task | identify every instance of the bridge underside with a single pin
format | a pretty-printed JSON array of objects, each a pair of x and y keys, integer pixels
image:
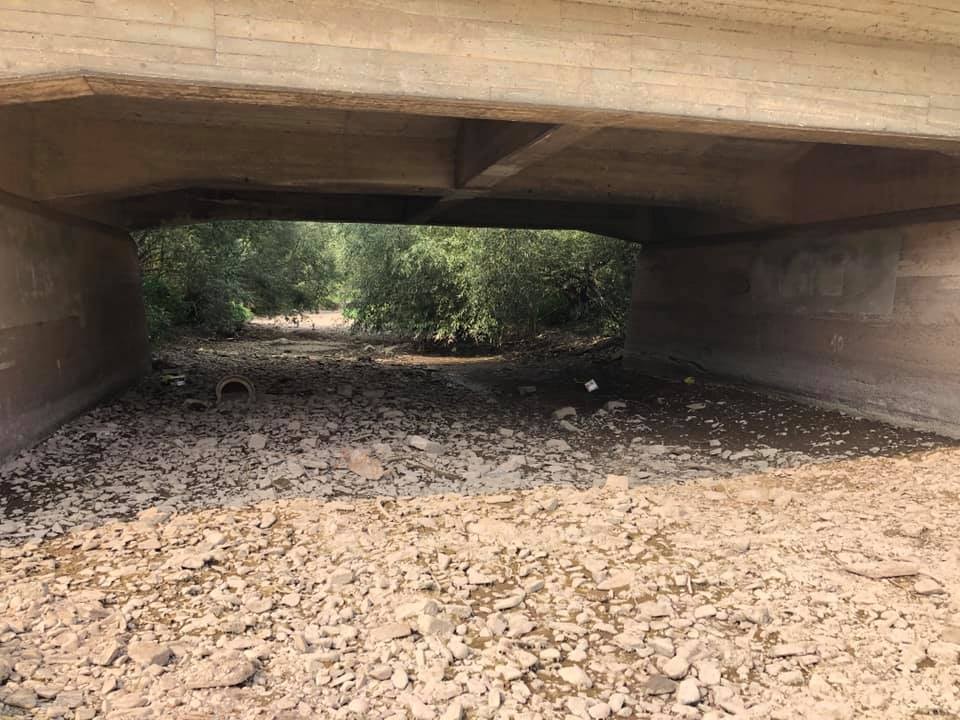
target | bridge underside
[
  {"x": 792, "y": 171},
  {"x": 135, "y": 154}
]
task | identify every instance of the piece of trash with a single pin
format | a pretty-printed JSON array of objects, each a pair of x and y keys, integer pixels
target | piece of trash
[
  {"x": 689, "y": 380},
  {"x": 236, "y": 387},
  {"x": 697, "y": 406},
  {"x": 525, "y": 390},
  {"x": 176, "y": 380},
  {"x": 591, "y": 385}
]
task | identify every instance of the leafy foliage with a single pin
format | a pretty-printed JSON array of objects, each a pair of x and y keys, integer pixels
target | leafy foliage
[
  {"x": 451, "y": 284},
  {"x": 216, "y": 276},
  {"x": 442, "y": 284}
]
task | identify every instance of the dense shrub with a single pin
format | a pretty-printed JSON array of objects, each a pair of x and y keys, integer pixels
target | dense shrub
[
  {"x": 215, "y": 276},
  {"x": 442, "y": 284},
  {"x": 451, "y": 284}
]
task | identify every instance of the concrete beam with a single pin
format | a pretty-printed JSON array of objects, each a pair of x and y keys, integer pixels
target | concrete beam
[
  {"x": 85, "y": 153},
  {"x": 651, "y": 63},
  {"x": 490, "y": 152},
  {"x": 118, "y": 158},
  {"x": 179, "y": 206},
  {"x": 835, "y": 181},
  {"x": 72, "y": 84},
  {"x": 633, "y": 223},
  {"x": 185, "y": 205}
]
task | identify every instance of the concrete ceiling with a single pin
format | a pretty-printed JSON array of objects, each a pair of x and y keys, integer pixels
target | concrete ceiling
[{"x": 136, "y": 161}]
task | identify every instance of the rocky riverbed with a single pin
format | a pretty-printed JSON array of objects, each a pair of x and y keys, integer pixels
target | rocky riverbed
[{"x": 387, "y": 536}]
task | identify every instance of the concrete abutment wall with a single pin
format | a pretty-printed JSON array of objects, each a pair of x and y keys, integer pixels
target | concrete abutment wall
[
  {"x": 72, "y": 326},
  {"x": 867, "y": 320}
]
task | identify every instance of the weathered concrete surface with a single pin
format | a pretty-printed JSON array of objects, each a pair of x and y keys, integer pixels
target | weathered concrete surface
[
  {"x": 71, "y": 320},
  {"x": 827, "y": 65},
  {"x": 866, "y": 319}
]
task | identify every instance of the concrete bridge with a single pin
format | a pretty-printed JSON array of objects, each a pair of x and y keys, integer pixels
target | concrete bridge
[{"x": 792, "y": 168}]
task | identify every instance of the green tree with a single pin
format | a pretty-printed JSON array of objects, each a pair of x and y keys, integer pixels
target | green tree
[
  {"x": 450, "y": 284},
  {"x": 216, "y": 275},
  {"x": 445, "y": 284}
]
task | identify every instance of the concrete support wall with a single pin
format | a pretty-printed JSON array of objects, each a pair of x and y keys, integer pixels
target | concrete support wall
[
  {"x": 863, "y": 319},
  {"x": 71, "y": 320}
]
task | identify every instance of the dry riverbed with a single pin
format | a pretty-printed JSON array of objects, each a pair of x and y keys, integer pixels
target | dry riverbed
[{"x": 387, "y": 536}]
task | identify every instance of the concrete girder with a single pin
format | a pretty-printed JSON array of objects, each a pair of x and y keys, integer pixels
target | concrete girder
[
  {"x": 103, "y": 156},
  {"x": 786, "y": 67},
  {"x": 186, "y": 205},
  {"x": 745, "y": 172},
  {"x": 79, "y": 84},
  {"x": 492, "y": 151}
]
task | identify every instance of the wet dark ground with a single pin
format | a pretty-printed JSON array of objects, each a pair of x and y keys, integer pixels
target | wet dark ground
[
  {"x": 677, "y": 413},
  {"x": 666, "y": 411}
]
